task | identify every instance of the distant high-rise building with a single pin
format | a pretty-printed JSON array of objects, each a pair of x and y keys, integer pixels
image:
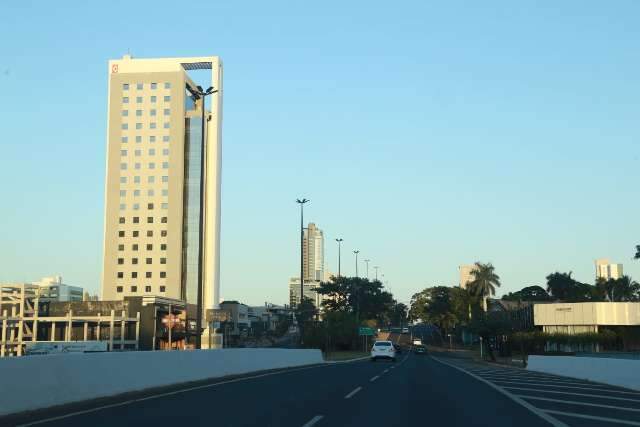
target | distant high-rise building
[
  {"x": 155, "y": 217},
  {"x": 606, "y": 270},
  {"x": 313, "y": 254},
  {"x": 465, "y": 274},
  {"x": 309, "y": 292}
]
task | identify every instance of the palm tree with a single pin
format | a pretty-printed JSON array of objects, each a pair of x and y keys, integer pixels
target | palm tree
[
  {"x": 637, "y": 252},
  {"x": 484, "y": 282},
  {"x": 625, "y": 289}
]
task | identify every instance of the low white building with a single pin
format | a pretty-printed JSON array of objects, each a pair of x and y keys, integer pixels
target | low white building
[
  {"x": 52, "y": 289},
  {"x": 573, "y": 318}
]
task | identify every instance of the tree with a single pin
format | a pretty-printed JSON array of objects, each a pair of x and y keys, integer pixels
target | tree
[
  {"x": 621, "y": 289},
  {"x": 398, "y": 315},
  {"x": 306, "y": 311},
  {"x": 361, "y": 297},
  {"x": 560, "y": 285},
  {"x": 528, "y": 293},
  {"x": 484, "y": 282},
  {"x": 637, "y": 252}
]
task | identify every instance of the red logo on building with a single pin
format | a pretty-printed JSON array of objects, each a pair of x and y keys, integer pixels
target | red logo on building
[{"x": 114, "y": 68}]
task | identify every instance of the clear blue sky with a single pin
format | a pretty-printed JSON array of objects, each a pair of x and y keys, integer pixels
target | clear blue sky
[{"x": 427, "y": 135}]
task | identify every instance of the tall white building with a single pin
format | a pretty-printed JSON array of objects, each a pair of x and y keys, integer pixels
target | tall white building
[
  {"x": 156, "y": 221},
  {"x": 465, "y": 274},
  {"x": 606, "y": 270},
  {"x": 313, "y": 254}
]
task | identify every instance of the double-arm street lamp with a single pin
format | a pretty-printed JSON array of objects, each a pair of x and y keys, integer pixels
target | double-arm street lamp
[
  {"x": 201, "y": 94},
  {"x": 301, "y": 202}
]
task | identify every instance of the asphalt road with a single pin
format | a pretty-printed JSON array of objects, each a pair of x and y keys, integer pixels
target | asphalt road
[{"x": 415, "y": 390}]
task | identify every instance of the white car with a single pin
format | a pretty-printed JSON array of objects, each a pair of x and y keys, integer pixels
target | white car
[{"x": 383, "y": 350}]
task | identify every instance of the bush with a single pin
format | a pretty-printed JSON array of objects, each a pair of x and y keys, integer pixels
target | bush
[{"x": 536, "y": 341}]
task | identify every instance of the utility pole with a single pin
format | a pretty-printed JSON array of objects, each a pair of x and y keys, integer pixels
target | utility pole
[
  {"x": 356, "y": 252},
  {"x": 339, "y": 240}
]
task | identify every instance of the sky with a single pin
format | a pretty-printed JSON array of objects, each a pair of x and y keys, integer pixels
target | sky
[{"x": 426, "y": 134}]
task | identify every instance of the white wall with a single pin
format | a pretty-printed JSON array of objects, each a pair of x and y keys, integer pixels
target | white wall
[
  {"x": 42, "y": 381},
  {"x": 619, "y": 372}
]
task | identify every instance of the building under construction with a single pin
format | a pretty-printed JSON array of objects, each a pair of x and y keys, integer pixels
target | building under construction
[{"x": 30, "y": 322}]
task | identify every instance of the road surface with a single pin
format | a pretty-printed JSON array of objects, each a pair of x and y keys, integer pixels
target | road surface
[{"x": 414, "y": 391}]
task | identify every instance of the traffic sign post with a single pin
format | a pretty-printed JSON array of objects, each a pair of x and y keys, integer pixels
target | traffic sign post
[{"x": 365, "y": 331}]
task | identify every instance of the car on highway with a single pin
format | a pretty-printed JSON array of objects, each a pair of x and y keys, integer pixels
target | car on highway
[
  {"x": 383, "y": 350},
  {"x": 420, "y": 349},
  {"x": 405, "y": 330}
]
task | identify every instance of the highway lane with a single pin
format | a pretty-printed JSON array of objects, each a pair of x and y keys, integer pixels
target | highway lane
[{"x": 416, "y": 390}]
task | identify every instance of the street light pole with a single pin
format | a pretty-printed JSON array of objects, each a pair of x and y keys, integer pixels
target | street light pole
[
  {"x": 301, "y": 202},
  {"x": 376, "y": 268},
  {"x": 356, "y": 252},
  {"x": 367, "y": 262},
  {"x": 339, "y": 247},
  {"x": 201, "y": 94}
]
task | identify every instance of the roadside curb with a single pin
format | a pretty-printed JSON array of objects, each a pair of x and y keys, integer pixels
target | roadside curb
[{"x": 333, "y": 362}]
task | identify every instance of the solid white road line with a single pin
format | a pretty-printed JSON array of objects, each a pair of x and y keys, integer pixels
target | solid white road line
[
  {"x": 548, "y": 418},
  {"x": 385, "y": 371},
  {"x": 170, "y": 393},
  {"x": 592, "y": 417},
  {"x": 313, "y": 421},
  {"x": 374, "y": 378},
  {"x": 348, "y": 396},
  {"x": 575, "y": 402},
  {"x": 595, "y": 396},
  {"x": 564, "y": 386}
]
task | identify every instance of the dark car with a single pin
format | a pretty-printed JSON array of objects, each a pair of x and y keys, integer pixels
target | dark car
[
  {"x": 398, "y": 348},
  {"x": 420, "y": 349}
]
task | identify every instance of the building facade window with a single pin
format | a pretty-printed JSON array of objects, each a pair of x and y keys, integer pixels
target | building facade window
[
  {"x": 139, "y": 86},
  {"x": 125, "y": 86},
  {"x": 163, "y": 274},
  {"x": 149, "y": 260},
  {"x": 148, "y": 275},
  {"x": 120, "y": 275},
  {"x": 162, "y": 288},
  {"x": 134, "y": 274},
  {"x": 154, "y": 86},
  {"x": 134, "y": 289},
  {"x": 147, "y": 288},
  {"x": 119, "y": 289}
]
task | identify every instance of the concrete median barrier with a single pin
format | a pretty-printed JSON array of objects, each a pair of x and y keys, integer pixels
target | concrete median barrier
[
  {"x": 618, "y": 372},
  {"x": 38, "y": 382}
]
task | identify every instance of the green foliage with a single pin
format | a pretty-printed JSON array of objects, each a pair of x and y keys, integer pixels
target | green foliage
[
  {"x": 306, "y": 310},
  {"x": 441, "y": 305},
  {"x": 564, "y": 287},
  {"x": 637, "y": 256},
  {"x": 337, "y": 331},
  {"x": 622, "y": 289},
  {"x": 358, "y": 296},
  {"x": 529, "y": 293},
  {"x": 538, "y": 339}
]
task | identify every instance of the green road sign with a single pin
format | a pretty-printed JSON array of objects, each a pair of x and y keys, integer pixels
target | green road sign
[{"x": 365, "y": 331}]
